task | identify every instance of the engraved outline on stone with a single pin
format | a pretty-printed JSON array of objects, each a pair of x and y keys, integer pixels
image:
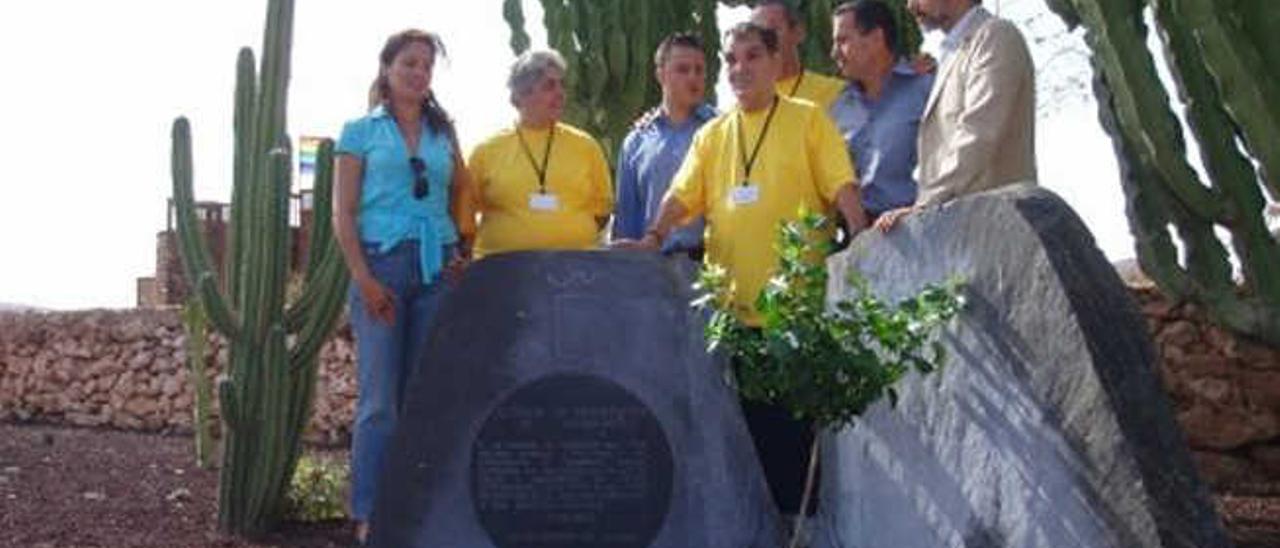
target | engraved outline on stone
[{"x": 565, "y": 276}]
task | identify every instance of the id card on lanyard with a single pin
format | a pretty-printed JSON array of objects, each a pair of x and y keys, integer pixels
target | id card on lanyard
[
  {"x": 748, "y": 193},
  {"x": 745, "y": 194},
  {"x": 544, "y": 202},
  {"x": 541, "y": 200}
]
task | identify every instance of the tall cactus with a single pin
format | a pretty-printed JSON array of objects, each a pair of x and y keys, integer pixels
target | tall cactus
[
  {"x": 265, "y": 396},
  {"x": 609, "y": 45},
  {"x": 1221, "y": 55}
]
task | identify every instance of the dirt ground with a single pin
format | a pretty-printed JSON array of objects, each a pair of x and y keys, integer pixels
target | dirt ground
[
  {"x": 80, "y": 488},
  {"x": 65, "y": 487}
]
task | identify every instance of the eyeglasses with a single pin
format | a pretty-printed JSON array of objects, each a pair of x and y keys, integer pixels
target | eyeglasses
[{"x": 421, "y": 187}]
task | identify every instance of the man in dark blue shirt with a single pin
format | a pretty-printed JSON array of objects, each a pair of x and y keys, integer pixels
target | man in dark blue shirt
[
  {"x": 879, "y": 111},
  {"x": 654, "y": 150}
]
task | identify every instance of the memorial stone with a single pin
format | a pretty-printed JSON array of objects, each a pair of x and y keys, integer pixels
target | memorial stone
[
  {"x": 1046, "y": 426},
  {"x": 567, "y": 400}
]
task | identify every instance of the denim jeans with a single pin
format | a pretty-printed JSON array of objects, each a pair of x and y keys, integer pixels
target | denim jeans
[{"x": 385, "y": 357}]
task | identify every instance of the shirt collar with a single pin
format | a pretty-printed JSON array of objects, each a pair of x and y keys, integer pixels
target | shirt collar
[
  {"x": 904, "y": 67},
  {"x": 700, "y": 114},
  {"x": 963, "y": 28},
  {"x": 901, "y": 68},
  {"x": 379, "y": 111}
]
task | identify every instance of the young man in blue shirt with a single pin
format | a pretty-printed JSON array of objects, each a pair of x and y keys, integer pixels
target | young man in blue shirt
[
  {"x": 655, "y": 148},
  {"x": 878, "y": 113}
]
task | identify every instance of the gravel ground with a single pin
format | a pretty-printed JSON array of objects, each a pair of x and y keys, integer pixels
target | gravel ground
[{"x": 69, "y": 487}]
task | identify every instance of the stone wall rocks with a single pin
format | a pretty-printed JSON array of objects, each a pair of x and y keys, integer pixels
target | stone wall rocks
[
  {"x": 127, "y": 369},
  {"x": 84, "y": 368},
  {"x": 1225, "y": 391}
]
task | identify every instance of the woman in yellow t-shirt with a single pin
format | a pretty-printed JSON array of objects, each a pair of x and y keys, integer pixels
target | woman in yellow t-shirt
[{"x": 540, "y": 184}]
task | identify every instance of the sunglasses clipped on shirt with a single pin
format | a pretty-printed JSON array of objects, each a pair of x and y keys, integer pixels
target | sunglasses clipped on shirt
[{"x": 421, "y": 186}]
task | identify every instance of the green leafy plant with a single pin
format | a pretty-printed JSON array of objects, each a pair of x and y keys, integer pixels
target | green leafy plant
[
  {"x": 317, "y": 491},
  {"x": 825, "y": 362}
]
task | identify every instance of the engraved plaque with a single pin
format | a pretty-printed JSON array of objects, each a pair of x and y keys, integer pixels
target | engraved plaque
[{"x": 571, "y": 460}]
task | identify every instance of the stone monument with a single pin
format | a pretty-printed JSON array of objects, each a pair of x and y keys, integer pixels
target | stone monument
[
  {"x": 567, "y": 400},
  {"x": 1046, "y": 427}
]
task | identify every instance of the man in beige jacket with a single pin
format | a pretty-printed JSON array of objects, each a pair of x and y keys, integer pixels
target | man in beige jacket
[{"x": 978, "y": 128}]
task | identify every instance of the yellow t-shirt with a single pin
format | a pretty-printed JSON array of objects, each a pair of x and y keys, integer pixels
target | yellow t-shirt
[
  {"x": 515, "y": 215},
  {"x": 802, "y": 163},
  {"x": 819, "y": 89}
]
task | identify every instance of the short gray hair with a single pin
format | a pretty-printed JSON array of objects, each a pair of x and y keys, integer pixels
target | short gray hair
[{"x": 530, "y": 68}]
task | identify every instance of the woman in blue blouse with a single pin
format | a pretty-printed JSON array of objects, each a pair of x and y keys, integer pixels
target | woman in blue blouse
[{"x": 395, "y": 169}]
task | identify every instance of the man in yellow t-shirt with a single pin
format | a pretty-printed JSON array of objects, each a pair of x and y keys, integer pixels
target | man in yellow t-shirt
[
  {"x": 747, "y": 171},
  {"x": 794, "y": 81},
  {"x": 541, "y": 184}
]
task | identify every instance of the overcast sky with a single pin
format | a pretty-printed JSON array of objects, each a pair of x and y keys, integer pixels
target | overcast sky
[{"x": 92, "y": 88}]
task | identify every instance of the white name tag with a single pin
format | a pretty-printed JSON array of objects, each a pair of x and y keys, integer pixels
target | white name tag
[
  {"x": 544, "y": 202},
  {"x": 746, "y": 194}
]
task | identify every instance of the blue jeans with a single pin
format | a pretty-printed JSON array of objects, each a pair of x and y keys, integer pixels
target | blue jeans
[{"x": 385, "y": 357}]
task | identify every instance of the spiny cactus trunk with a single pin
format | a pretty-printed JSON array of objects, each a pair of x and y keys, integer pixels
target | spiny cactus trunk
[
  {"x": 265, "y": 396},
  {"x": 1220, "y": 54}
]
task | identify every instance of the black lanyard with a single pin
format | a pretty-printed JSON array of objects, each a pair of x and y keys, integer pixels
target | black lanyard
[
  {"x": 546, "y": 157},
  {"x": 742, "y": 140},
  {"x": 796, "y": 86}
]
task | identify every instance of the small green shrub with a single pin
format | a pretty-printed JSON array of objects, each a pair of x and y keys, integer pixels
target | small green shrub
[
  {"x": 318, "y": 490},
  {"x": 825, "y": 363}
]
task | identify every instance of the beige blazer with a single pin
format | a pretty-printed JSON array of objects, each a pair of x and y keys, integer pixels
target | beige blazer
[{"x": 978, "y": 127}]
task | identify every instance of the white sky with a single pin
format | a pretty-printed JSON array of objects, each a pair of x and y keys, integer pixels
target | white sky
[{"x": 92, "y": 89}]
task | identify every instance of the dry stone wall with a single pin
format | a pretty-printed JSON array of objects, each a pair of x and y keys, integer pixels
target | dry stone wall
[
  {"x": 127, "y": 369},
  {"x": 1226, "y": 392}
]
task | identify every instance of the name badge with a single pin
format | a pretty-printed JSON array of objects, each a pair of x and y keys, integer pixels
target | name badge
[
  {"x": 746, "y": 194},
  {"x": 544, "y": 202}
]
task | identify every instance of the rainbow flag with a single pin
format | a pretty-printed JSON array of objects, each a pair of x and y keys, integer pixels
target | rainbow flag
[{"x": 307, "y": 148}]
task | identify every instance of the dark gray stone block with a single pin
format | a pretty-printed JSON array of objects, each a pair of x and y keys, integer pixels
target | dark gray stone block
[
  {"x": 567, "y": 401},
  {"x": 1047, "y": 427}
]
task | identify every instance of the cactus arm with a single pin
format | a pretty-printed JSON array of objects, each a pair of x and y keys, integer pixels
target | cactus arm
[
  {"x": 246, "y": 87},
  {"x": 1260, "y": 19},
  {"x": 1162, "y": 196},
  {"x": 322, "y": 200},
  {"x": 513, "y": 13},
  {"x": 216, "y": 308},
  {"x": 1141, "y": 118},
  {"x": 323, "y": 311},
  {"x": 327, "y": 275},
  {"x": 1248, "y": 91},
  {"x": 1117, "y": 38},
  {"x": 195, "y": 254},
  {"x": 1230, "y": 171},
  {"x": 1066, "y": 11}
]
